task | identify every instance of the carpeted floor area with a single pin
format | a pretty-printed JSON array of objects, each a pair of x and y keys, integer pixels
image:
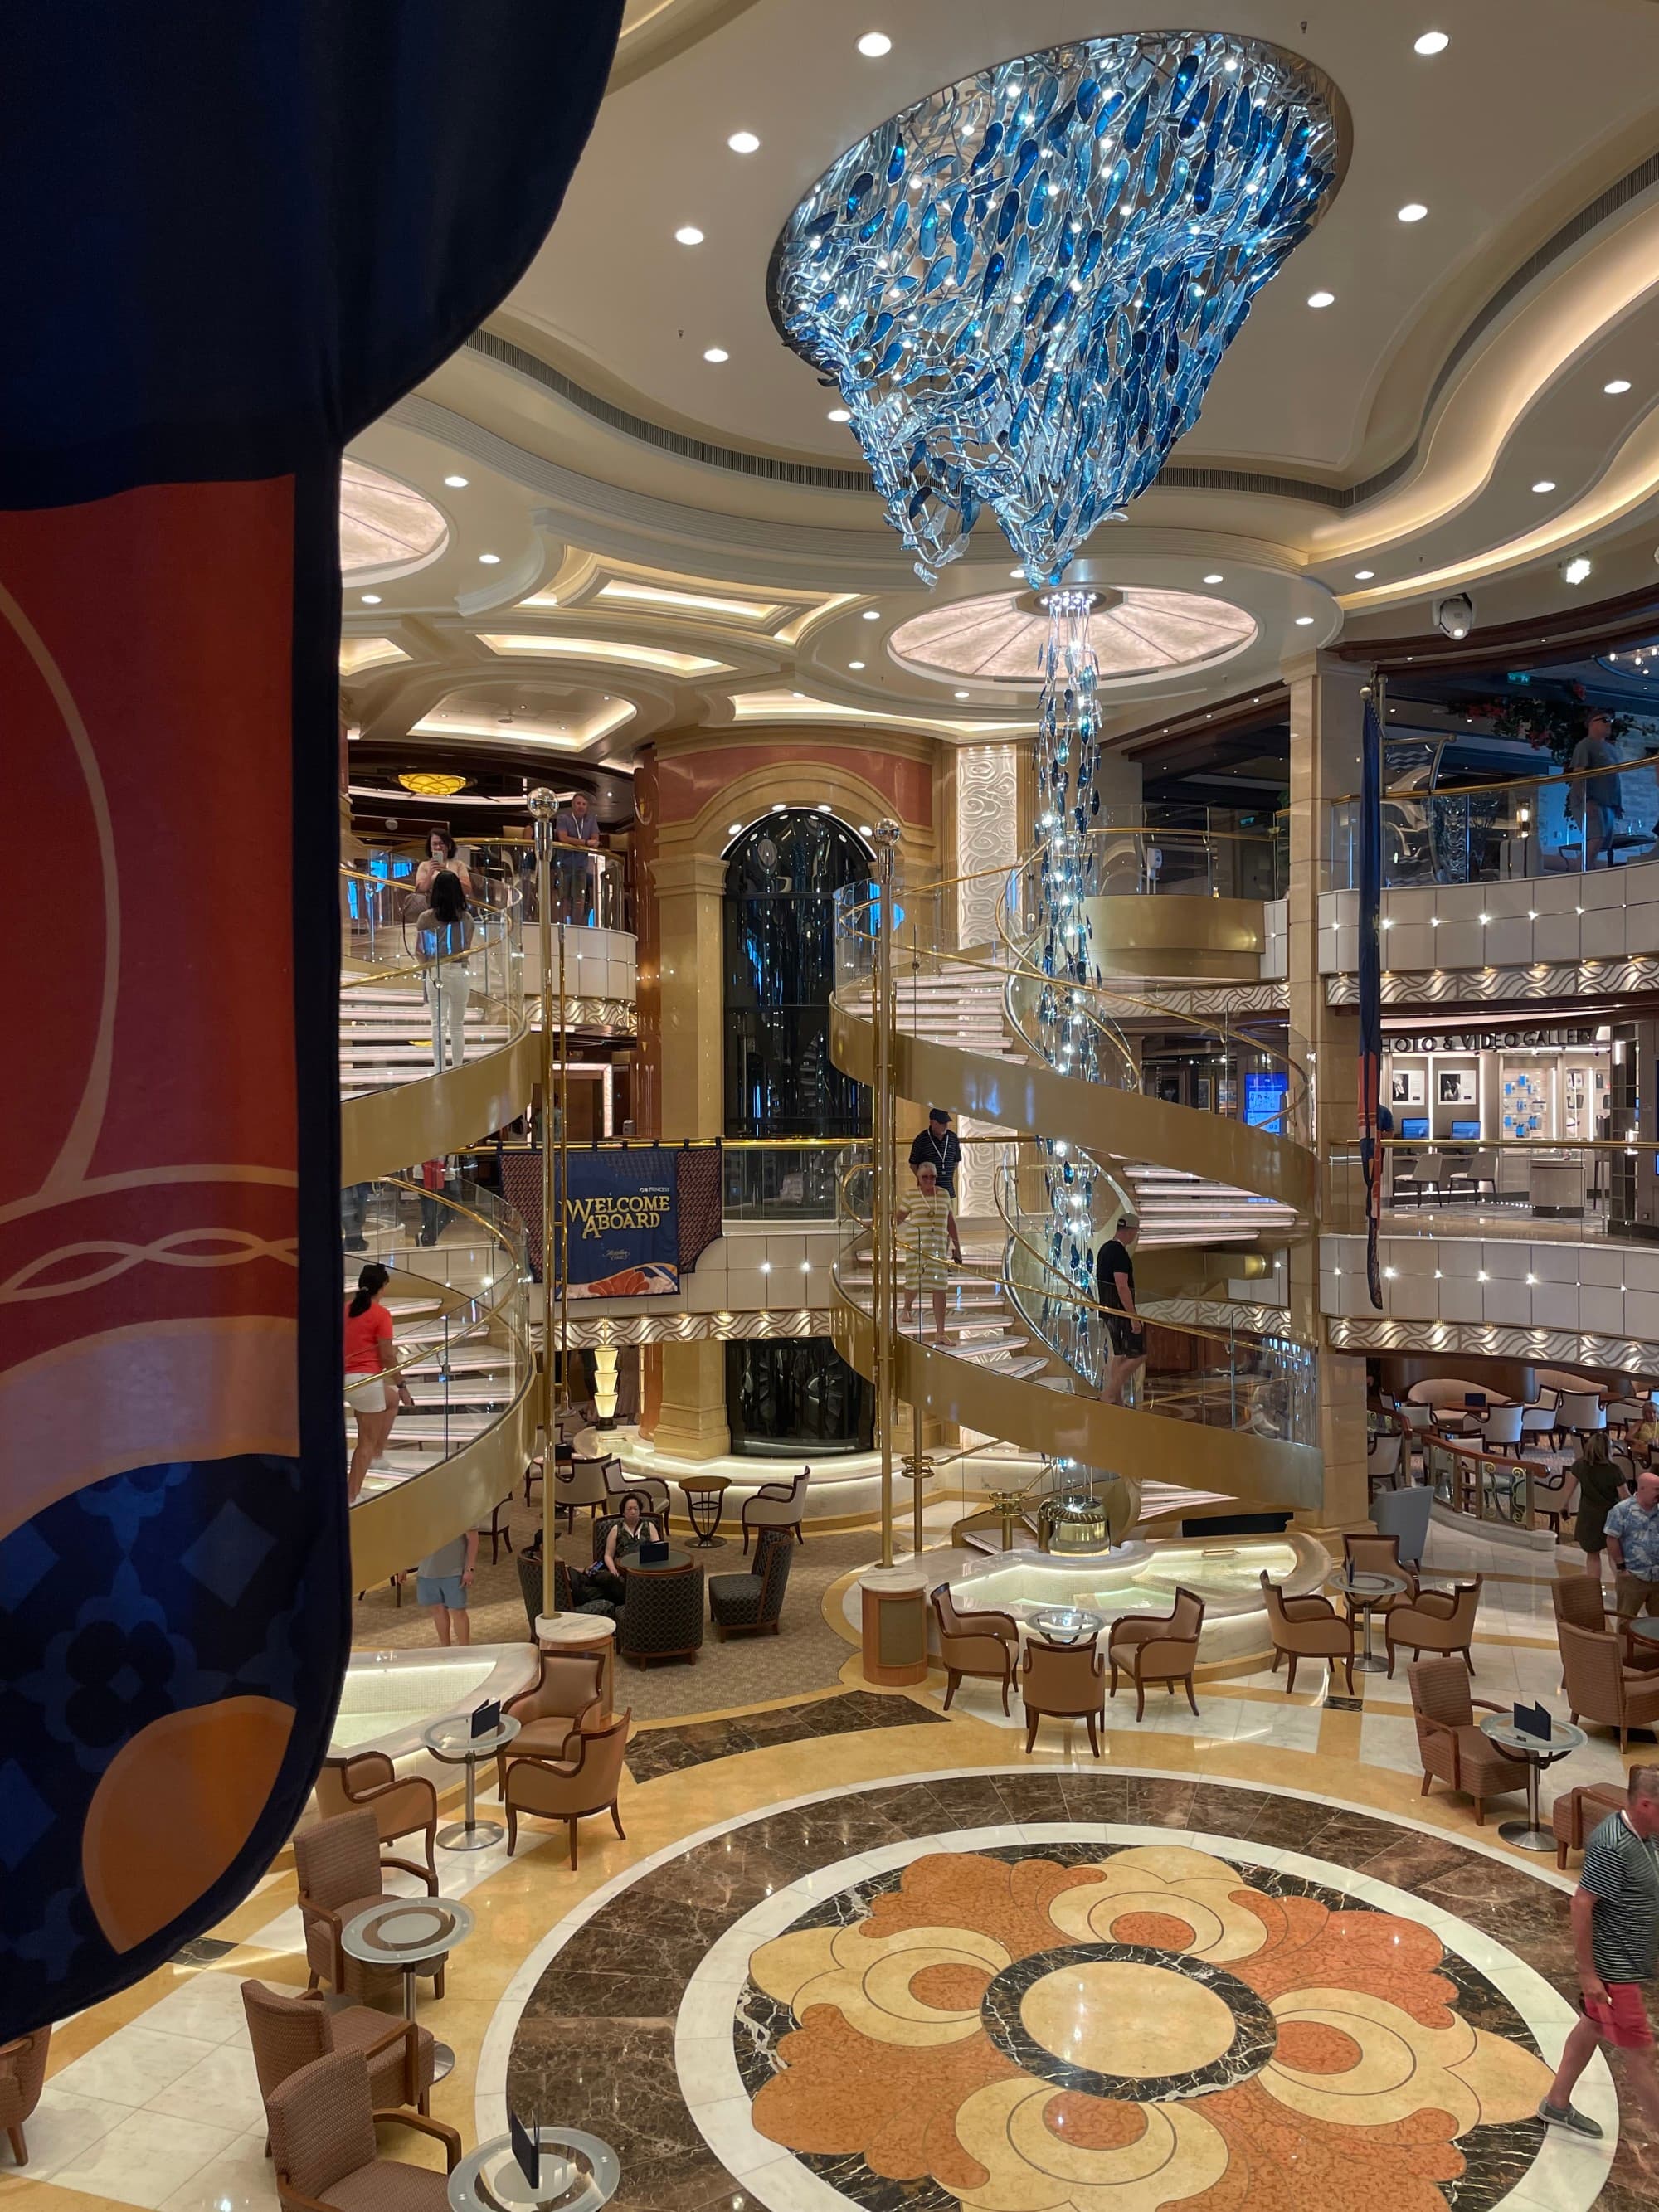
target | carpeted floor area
[{"x": 805, "y": 1654}]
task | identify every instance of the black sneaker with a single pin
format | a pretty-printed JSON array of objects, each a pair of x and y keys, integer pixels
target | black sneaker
[{"x": 1569, "y": 2117}]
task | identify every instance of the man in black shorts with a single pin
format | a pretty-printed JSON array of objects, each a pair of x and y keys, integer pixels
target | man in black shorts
[{"x": 1115, "y": 1278}]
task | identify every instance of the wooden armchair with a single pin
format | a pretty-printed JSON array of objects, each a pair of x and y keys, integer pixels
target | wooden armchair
[
  {"x": 341, "y": 1874},
  {"x": 777, "y": 1505},
  {"x": 22, "y": 2074},
  {"x": 1435, "y": 1621},
  {"x": 568, "y": 1789},
  {"x": 1157, "y": 1648},
  {"x": 403, "y": 1805},
  {"x": 1600, "y": 1685},
  {"x": 322, "y": 2123},
  {"x": 1063, "y": 1682},
  {"x": 1450, "y": 1744},
  {"x": 1309, "y": 1627},
  {"x": 566, "y": 1696},
  {"x": 985, "y": 1646}
]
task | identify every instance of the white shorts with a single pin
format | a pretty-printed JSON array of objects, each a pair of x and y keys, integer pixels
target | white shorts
[{"x": 369, "y": 1393}]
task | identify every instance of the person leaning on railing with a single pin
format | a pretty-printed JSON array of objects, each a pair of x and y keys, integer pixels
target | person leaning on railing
[
  {"x": 576, "y": 826},
  {"x": 1593, "y": 800}
]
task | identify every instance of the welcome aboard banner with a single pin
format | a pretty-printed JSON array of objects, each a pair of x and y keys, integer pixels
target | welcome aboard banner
[{"x": 623, "y": 1223}]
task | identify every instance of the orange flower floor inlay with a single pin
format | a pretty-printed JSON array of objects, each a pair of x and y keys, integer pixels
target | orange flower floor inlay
[{"x": 1082, "y": 2029}]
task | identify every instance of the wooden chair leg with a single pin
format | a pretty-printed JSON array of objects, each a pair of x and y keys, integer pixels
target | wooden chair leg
[
  {"x": 616, "y": 1821},
  {"x": 431, "y": 1834},
  {"x": 951, "y": 1678},
  {"x": 1112, "y": 1692},
  {"x": 1278, "y": 1655},
  {"x": 1030, "y": 1729},
  {"x": 1191, "y": 1700},
  {"x": 1290, "y": 1684},
  {"x": 1094, "y": 1736},
  {"x": 512, "y": 1829},
  {"x": 1347, "y": 1665},
  {"x": 1427, "y": 1778},
  {"x": 1007, "y": 1683},
  {"x": 571, "y": 1824},
  {"x": 19, "y": 2149},
  {"x": 1140, "y": 1700},
  {"x": 1469, "y": 1661}
]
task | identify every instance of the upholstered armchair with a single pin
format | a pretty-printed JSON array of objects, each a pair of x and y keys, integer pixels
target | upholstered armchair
[
  {"x": 403, "y": 1805},
  {"x": 1308, "y": 1627},
  {"x": 580, "y": 1482},
  {"x": 650, "y": 1489},
  {"x": 1577, "y": 1814},
  {"x": 288, "y": 2031},
  {"x": 1579, "y": 1599},
  {"x": 568, "y": 1789},
  {"x": 1385, "y": 1459},
  {"x": 983, "y": 1645},
  {"x": 1062, "y": 1682},
  {"x": 566, "y": 1694},
  {"x": 1449, "y": 1743},
  {"x": 1601, "y": 1688},
  {"x": 752, "y": 1605},
  {"x": 321, "y": 2122},
  {"x": 777, "y": 1505},
  {"x": 339, "y": 1868},
  {"x": 1435, "y": 1621},
  {"x": 529, "y": 1563},
  {"x": 22, "y": 2073},
  {"x": 1370, "y": 1553},
  {"x": 1157, "y": 1648}
]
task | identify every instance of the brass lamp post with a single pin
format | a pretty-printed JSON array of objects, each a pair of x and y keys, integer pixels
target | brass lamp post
[
  {"x": 555, "y": 1251},
  {"x": 884, "y": 1272}
]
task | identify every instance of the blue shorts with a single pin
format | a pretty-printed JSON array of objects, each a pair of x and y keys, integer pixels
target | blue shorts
[{"x": 441, "y": 1589}]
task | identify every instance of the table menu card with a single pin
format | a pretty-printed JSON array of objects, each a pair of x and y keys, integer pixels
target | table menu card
[
  {"x": 525, "y": 2148},
  {"x": 487, "y": 1718},
  {"x": 1534, "y": 1720}
]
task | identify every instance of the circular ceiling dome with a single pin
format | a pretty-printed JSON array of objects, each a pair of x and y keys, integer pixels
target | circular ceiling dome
[
  {"x": 385, "y": 527},
  {"x": 1135, "y": 631}
]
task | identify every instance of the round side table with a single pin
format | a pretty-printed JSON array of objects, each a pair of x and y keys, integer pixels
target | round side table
[
  {"x": 409, "y": 1933},
  {"x": 705, "y": 1502},
  {"x": 1539, "y": 1752},
  {"x": 578, "y": 2174},
  {"x": 1364, "y": 1592},
  {"x": 1067, "y": 1624},
  {"x": 450, "y": 1741}
]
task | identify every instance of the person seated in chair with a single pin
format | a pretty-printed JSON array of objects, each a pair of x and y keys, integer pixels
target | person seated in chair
[{"x": 632, "y": 1527}]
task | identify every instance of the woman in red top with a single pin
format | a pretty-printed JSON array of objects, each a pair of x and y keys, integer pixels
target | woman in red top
[{"x": 373, "y": 1395}]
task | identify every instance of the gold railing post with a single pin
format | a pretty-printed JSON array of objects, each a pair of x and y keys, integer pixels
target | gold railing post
[
  {"x": 543, "y": 807},
  {"x": 883, "y": 1267}
]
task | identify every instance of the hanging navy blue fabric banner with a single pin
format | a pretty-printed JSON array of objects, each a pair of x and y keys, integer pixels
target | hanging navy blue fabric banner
[
  {"x": 1370, "y": 986},
  {"x": 232, "y": 237},
  {"x": 623, "y": 1223}
]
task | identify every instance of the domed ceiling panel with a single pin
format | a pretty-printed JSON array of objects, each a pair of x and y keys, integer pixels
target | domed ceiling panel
[{"x": 1135, "y": 632}]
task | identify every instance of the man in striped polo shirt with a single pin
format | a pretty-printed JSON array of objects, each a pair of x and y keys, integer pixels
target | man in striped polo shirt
[{"x": 1615, "y": 1933}]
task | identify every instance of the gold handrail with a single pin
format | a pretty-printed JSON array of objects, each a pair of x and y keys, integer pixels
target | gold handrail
[
  {"x": 1514, "y": 783},
  {"x": 492, "y": 1312}
]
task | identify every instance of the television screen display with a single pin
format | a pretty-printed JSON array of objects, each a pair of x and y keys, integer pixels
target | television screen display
[{"x": 1264, "y": 1101}]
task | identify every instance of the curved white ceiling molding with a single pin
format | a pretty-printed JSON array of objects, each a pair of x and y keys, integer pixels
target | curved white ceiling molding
[
  {"x": 1536, "y": 343},
  {"x": 1135, "y": 631}
]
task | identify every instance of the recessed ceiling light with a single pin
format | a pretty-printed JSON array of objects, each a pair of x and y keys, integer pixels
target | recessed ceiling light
[
  {"x": 962, "y": 695},
  {"x": 874, "y": 43},
  {"x": 1321, "y": 299},
  {"x": 456, "y": 483},
  {"x": 688, "y": 234},
  {"x": 1214, "y": 577},
  {"x": 1618, "y": 384},
  {"x": 371, "y": 598},
  {"x": 1432, "y": 42},
  {"x": 1576, "y": 570},
  {"x": 873, "y": 614},
  {"x": 744, "y": 142},
  {"x": 855, "y": 663},
  {"x": 1364, "y": 575},
  {"x": 716, "y": 353},
  {"x": 490, "y": 560},
  {"x": 732, "y": 829},
  {"x": 1544, "y": 483},
  {"x": 840, "y": 414},
  {"x": 1413, "y": 211},
  {"x": 1305, "y": 622}
]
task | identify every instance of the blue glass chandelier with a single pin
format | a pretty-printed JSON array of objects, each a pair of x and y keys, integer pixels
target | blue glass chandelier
[{"x": 1022, "y": 286}]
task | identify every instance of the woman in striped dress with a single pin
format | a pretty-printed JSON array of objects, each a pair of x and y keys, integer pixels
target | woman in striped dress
[{"x": 930, "y": 1227}]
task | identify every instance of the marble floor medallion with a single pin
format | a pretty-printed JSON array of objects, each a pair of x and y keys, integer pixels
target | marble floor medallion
[{"x": 1076, "y": 2015}]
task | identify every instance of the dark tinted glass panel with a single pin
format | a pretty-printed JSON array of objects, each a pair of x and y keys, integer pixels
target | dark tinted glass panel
[
  {"x": 781, "y": 882},
  {"x": 785, "y": 1396}
]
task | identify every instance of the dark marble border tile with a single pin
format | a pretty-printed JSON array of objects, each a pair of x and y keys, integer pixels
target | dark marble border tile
[{"x": 658, "y": 1751}]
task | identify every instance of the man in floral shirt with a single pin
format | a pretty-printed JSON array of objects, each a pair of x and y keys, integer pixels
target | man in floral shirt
[{"x": 1634, "y": 1547}]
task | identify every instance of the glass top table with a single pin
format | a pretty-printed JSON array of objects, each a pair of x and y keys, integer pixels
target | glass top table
[
  {"x": 409, "y": 1933},
  {"x": 1539, "y": 1752},
  {"x": 578, "y": 2172},
  {"x": 453, "y": 1741}
]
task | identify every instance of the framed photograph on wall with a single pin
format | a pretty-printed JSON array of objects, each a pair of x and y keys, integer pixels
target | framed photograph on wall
[
  {"x": 1458, "y": 1086},
  {"x": 1202, "y": 1093},
  {"x": 1406, "y": 1086}
]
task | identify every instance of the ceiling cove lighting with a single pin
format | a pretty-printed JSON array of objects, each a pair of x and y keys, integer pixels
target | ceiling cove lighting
[
  {"x": 515, "y": 642},
  {"x": 744, "y": 142},
  {"x": 874, "y": 43},
  {"x": 1432, "y": 42},
  {"x": 1413, "y": 211},
  {"x": 688, "y": 234}
]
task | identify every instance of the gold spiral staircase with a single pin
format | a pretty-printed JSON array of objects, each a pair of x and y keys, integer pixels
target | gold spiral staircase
[{"x": 1018, "y": 1358}]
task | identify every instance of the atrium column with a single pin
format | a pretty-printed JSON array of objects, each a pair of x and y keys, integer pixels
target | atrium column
[
  {"x": 690, "y": 1052},
  {"x": 1325, "y": 710}
]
